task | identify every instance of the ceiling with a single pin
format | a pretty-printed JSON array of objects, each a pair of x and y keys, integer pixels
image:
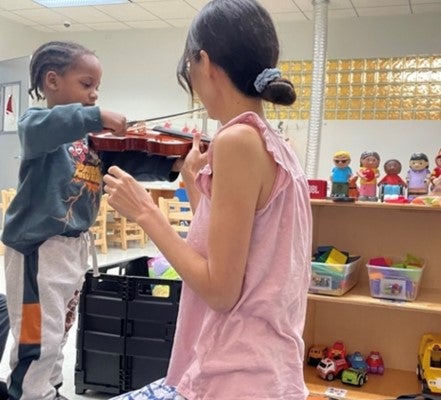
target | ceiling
[{"x": 150, "y": 14}]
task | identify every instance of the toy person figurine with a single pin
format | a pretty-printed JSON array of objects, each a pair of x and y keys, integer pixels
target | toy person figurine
[
  {"x": 391, "y": 186},
  {"x": 418, "y": 176},
  {"x": 368, "y": 174},
  {"x": 435, "y": 176},
  {"x": 340, "y": 174}
]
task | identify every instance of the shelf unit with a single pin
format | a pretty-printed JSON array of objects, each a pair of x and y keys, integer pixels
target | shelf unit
[{"x": 364, "y": 323}]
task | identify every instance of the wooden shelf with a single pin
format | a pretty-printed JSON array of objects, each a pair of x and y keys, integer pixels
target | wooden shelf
[
  {"x": 378, "y": 387},
  {"x": 428, "y": 300}
]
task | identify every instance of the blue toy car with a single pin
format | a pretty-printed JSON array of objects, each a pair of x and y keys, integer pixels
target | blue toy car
[{"x": 357, "y": 361}]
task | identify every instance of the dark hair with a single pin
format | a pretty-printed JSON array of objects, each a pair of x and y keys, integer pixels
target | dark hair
[
  {"x": 419, "y": 156},
  {"x": 240, "y": 37},
  {"x": 53, "y": 56}
]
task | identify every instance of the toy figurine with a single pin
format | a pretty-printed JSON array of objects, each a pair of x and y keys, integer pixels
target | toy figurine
[
  {"x": 391, "y": 185},
  {"x": 368, "y": 174},
  {"x": 418, "y": 176},
  {"x": 340, "y": 175},
  {"x": 435, "y": 176}
]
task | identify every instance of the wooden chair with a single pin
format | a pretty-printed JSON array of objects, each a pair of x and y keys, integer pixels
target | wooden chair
[
  {"x": 178, "y": 213},
  {"x": 7, "y": 196},
  {"x": 121, "y": 231},
  {"x": 99, "y": 228}
]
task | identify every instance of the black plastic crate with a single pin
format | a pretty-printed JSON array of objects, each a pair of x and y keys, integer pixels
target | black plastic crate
[{"x": 125, "y": 334}]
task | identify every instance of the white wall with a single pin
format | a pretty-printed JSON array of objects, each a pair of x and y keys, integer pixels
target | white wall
[{"x": 139, "y": 76}]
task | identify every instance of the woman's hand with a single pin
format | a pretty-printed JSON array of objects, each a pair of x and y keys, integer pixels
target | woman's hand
[
  {"x": 126, "y": 195},
  {"x": 194, "y": 160}
]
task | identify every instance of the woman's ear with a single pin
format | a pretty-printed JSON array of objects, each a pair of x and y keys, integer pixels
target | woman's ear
[{"x": 51, "y": 80}]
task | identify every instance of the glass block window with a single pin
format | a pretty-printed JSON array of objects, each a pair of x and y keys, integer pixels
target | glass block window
[{"x": 396, "y": 88}]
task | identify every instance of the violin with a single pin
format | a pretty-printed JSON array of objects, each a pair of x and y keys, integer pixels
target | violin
[{"x": 158, "y": 140}]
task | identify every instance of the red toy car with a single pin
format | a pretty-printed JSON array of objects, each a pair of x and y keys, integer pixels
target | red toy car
[
  {"x": 336, "y": 351},
  {"x": 375, "y": 363}
]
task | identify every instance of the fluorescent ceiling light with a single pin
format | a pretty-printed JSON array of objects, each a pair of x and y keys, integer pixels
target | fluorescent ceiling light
[{"x": 77, "y": 3}]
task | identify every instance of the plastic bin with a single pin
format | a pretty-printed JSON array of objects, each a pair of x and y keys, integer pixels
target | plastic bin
[
  {"x": 395, "y": 283},
  {"x": 334, "y": 279},
  {"x": 125, "y": 334}
]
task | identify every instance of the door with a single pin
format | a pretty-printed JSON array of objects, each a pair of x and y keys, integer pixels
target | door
[{"x": 14, "y": 100}]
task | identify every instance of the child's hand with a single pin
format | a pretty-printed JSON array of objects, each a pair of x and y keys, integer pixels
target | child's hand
[{"x": 115, "y": 122}]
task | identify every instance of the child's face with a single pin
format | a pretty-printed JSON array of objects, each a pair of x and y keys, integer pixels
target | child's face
[
  {"x": 418, "y": 165},
  {"x": 77, "y": 85}
]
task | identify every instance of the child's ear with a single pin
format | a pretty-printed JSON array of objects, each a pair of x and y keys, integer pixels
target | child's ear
[{"x": 51, "y": 80}]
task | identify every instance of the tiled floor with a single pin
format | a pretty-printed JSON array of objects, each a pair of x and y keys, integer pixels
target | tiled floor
[{"x": 113, "y": 256}]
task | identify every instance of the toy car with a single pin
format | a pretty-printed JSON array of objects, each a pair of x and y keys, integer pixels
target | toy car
[
  {"x": 429, "y": 363},
  {"x": 337, "y": 350},
  {"x": 357, "y": 361},
  {"x": 354, "y": 376},
  {"x": 375, "y": 364},
  {"x": 315, "y": 354},
  {"x": 329, "y": 368}
]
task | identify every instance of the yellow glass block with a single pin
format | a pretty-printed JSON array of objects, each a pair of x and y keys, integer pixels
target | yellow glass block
[
  {"x": 344, "y": 78},
  {"x": 282, "y": 114},
  {"x": 394, "y": 115},
  {"x": 383, "y": 90},
  {"x": 407, "y": 103},
  {"x": 384, "y": 64},
  {"x": 271, "y": 115},
  {"x": 304, "y": 115},
  {"x": 332, "y": 79},
  {"x": 435, "y": 76},
  {"x": 421, "y": 115},
  {"x": 383, "y": 77},
  {"x": 420, "y": 103},
  {"x": 395, "y": 90},
  {"x": 371, "y": 64},
  {"x": 396, "y": 77},
  {"x": 407, "y": 115},
  {"x": 434, "y": 103},
  {"x": 332, "y": 65},
  {"x": 424, "y": 62},
  {"x": 296, "y": 66},
  {"x": 296, "y": 79},
  {"x": 434, "y": 115},
  {"x": 408, "y": 89},
  {"x": 345, "y": 65},
  {"x": 342, "y": 104},
  {"x": 435, "y": 89},
  {"x": 370, "y": 77},
  {"x": 394, "y": 103},
  {"x": 367, "y": 114},
  {"x": 344, "y": 90},
  {"x": 354, "y": 104},
  {"x": 306, "y": 91},
  {"x": 380, "y": 103},
  {"x": 370, "y": 90},
  {"x": 397, "y": 63},
  {"x": 331, "y": 91},
  {"x": 436, "y": 61},
  {"x": 358, "y": 64},
  {"x": 294, "y": 114},
  {"x": 329, "y": 114},
  {"x": 354, "y": 114},
  {"x": 368, "y": 104},
  {"x": 330, "y": 104},
  {"x": 341, "y": 114},
  {"x": 410, "y": 62},
  {"x": 307, "y": 66},
  {"x": 422, "y": 89},
  {"x": 305, "y": 104},
  {"x": 357, "y": 90},
  {"x": 357, "y": 77},
  {"x": 284, "y": 67},
  {"x": 307, "y": 79},
  {"x": 381, "y": 115}
]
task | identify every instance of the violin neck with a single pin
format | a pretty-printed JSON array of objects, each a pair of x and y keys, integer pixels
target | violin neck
[{"x": 178, "y": 133}]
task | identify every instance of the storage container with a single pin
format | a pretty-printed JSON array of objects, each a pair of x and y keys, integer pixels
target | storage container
[
  {"x": 395, "y": 283},
  {"x": 334, "y": 279},
  {"x": 125, "y": 334}
]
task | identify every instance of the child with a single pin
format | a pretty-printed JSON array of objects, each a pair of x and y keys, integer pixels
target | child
[
  {"x": 245, "y": 264},
  {"x": 46, "y": 226}
]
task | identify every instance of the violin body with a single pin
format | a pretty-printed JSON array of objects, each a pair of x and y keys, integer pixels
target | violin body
[{"x": 164, "y": 142}]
